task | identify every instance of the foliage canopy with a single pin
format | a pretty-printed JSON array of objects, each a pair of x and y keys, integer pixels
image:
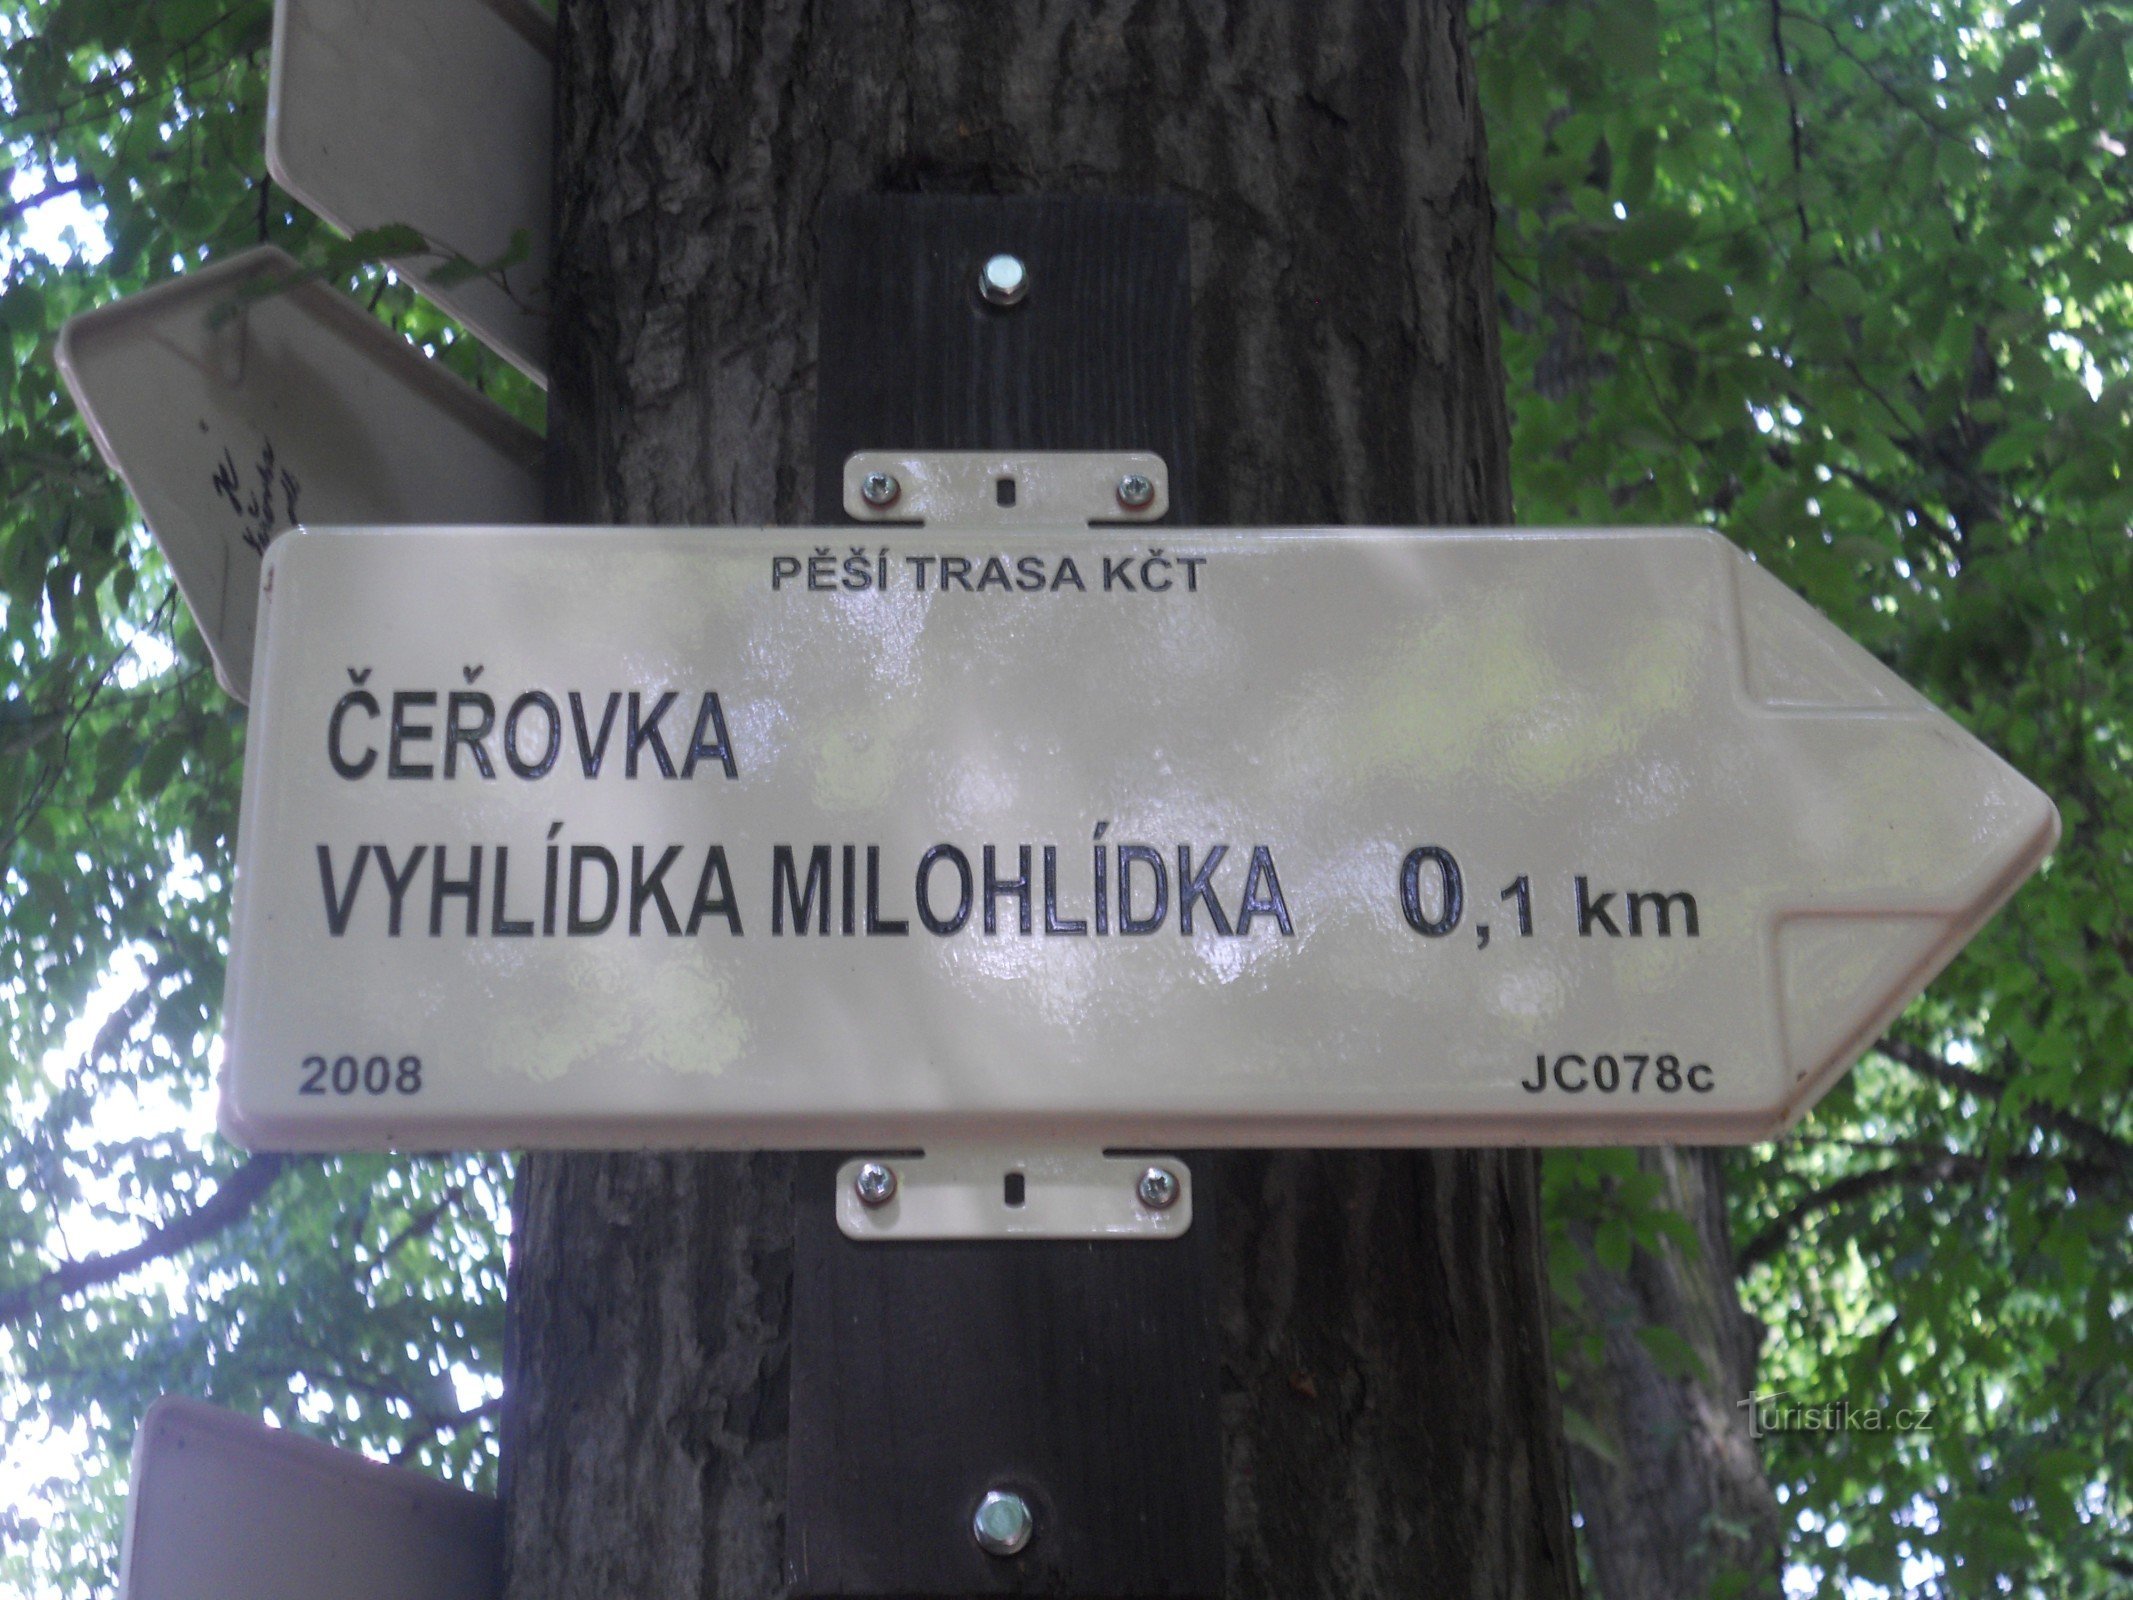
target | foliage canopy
[{"x": 1853, "y": 284}]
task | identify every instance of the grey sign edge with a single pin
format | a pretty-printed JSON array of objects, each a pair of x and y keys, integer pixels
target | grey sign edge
[
  {"x": 182, "y": 1411},
  {"x": 538, "y": 29}
]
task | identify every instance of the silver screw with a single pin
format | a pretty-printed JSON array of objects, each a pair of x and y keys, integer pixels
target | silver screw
[
  {"x": 875, "y": 1183},
  {"x": 880, "y": 489},
  {"x": 1003, "y": 280},
  {"x": 1003, "y": 1523},
  {"x": 1136, "y": 492},
  {"x": 1159, "y": 1188}
]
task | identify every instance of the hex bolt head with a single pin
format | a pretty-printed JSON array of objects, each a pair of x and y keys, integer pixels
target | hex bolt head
[
  {"x": 875, "y": 1183},
  {"x": 1136, "y": 492},
  {"x": 1003, "y": 1523},
  {"x": 1158, "y": 1188},
  {"x": 1003, "y": 280},
  {"x": 880, "y": 489}
]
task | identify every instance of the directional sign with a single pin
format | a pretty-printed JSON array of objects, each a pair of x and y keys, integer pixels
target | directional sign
[
  {"x": 435, "y": 115},
  {"x": 223, "y": 1508},
  {"x": 583, "y": 837},
  {"x": 231, "y": 412}
]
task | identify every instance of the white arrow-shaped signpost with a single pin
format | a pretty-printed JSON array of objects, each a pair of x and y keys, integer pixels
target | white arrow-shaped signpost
[
  {"x": 433, "y": 115},
  {"x": 233, "y": 404},
  {"x": 224, "y": 1508},
  {"x": 892, "y": 835}
]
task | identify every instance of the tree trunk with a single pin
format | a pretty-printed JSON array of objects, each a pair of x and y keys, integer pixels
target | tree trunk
[
  {"x": 1390, "y": 1422},
  {"x": 1682, "y": 1507}
]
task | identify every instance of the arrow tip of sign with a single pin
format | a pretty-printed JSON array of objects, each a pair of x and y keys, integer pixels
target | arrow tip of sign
[
  {"x": 1842, "y": 978},
  {"x": 1960, "y": 829}
]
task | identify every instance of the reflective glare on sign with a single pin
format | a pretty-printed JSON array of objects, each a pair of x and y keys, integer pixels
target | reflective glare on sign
[
  {"x": 224, "y": 1508},
  {"x": 434, "y": 115},
  {"x": 232, "y": 413},
  {"x": 581, "y": 837}
]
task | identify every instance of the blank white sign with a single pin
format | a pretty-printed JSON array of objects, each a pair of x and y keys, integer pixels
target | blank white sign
[
  {"x": 232, "y": 414},
  {"x": 434, "y": 114},
  {"x": 225, "y": 1508}
]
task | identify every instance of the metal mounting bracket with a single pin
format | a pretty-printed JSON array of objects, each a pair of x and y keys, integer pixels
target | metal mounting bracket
[
  {"x": 1006, "y": 489},
  {"x": 1006, "y": 1191},
  {"x": 1010, "y": 1191}
]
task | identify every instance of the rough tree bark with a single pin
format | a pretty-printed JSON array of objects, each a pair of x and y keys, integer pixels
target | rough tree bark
[
  {"x": 1683, "y": 1507},
  {"x": 1390, "y": 1421}
]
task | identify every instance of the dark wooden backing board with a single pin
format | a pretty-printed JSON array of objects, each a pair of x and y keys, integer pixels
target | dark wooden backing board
[
  {"x": 1082, "y": 1375},
  {"x": 1097, "y": 357}
]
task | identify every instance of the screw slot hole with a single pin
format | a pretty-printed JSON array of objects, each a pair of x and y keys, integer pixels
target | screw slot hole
[
  {"x": 1003, "y": 492},
  {"x": 1016, "y": 1189}
]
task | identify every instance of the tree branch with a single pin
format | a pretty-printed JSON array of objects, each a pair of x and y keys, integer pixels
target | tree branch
[
  {"x": 83, "y": 184},
  {"x": 1942, "y": 1167},
  {"x": 430, "y": 1427},
  {"x": 2106, "y": 1146},
  {"x": 419, "y": 1228},
  {"x": 1792, "y": 109},
  {"x": 1836, "y": 41},
  {"x": 40, "y": 789},
  {"x": 1779, "y": 1232},
  {"x": 230, "y": 1204}
]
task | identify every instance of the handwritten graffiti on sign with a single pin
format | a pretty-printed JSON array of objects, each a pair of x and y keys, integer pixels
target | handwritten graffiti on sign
[{"x": 251, "y": 498}]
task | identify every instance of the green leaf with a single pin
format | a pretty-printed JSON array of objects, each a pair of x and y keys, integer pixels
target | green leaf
[
  {"x": 1674, "y": 1355},
  {"x": 382, "y": 243},
  {"x": 1613, "y": 1245},
  {"x": 1654, "y": 234},
  {"x": 1581, "y": 1431},
  {"x": 456, "y": 271},
  {"x": 22, "y": 308},
  {"x": 1840, "y": 288},
  {"x": 154, "y": 773},
  {"x": 2015, "y": 447}
]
